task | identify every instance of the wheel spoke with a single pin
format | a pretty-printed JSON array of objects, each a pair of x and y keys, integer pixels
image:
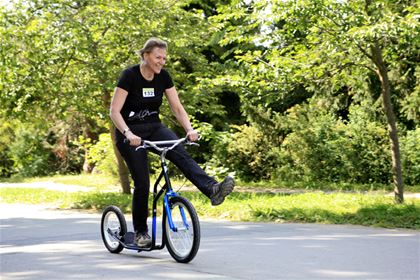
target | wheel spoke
[{"x": 183, "y": 241}]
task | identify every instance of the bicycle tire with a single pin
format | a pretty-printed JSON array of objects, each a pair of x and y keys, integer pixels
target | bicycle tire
[
  {"x": 182, "y": 244},
  {"x": 113, "y": 219}
]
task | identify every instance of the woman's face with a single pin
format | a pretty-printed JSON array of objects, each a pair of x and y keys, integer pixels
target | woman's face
[{"x": 155, "y": 60}]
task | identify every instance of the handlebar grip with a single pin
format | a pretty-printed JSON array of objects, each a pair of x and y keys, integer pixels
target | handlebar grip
[{"x": 128, "y": 141}]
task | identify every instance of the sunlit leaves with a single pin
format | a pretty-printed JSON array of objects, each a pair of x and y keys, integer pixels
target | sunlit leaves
[
  {"x": 63, "y": 58},
  {"x": 324, "y": 44}
]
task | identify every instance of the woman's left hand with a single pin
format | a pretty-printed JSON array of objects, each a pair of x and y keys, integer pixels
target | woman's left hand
[{"x": 193, "y": 135}]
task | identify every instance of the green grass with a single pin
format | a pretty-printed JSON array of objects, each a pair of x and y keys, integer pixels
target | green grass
[
  {"x": 104, "y": 182},
  {"x": 334, "y": 208},
  {"x": 369, "y": 209},
  {"x": 325, "y": 186},
  {"x": 99, "y": 182}
]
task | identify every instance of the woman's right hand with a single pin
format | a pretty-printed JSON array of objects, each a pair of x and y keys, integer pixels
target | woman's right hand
[{"x": 134, "y": 139}]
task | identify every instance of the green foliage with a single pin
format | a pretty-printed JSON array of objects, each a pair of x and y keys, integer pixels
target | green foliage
[
  {"x": 68, "y": 55},
  {"x": 101, "y": 154},
  {"x": 38, "y": 149},
  {"x": 410, "y": 149},
  {"x": 328, "y": 149},
  {"x": 31, "y": 153},
  {"x": 254, "y": 64},
  {"x": 319, "y": 147},
  {"x": 60, "y": 61},
  {"x": 247, "y": 152},
  {"x": 286, "y": 52},
  {"x": 410, "y": 101},
  {"x": 6, "y": 137}
]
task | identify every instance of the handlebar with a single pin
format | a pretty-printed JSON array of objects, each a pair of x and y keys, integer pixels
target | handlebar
[
  {"x": 157, "y": 145},
  {"x": 167, "y": 144}
]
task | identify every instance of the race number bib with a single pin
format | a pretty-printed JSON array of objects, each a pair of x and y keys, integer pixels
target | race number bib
[{"x": 148, "y": 92}]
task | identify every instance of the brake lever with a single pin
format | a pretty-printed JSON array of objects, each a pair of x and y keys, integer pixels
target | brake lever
[
  {"x": 189, "y": 143},
  {"x": 140, "y": 147}
]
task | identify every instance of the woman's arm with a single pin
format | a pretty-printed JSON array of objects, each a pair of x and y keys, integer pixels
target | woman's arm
[
  {"x": 180, "y": 113},
  {"x": 115, "y": 114}
]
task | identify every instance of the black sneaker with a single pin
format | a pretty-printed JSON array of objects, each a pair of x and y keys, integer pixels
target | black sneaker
[
  {"x": 221, "y": 190},
  {"x": 143, "y": 240}
]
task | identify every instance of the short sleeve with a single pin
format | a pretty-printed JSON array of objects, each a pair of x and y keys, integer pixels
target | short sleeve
[
  {"x": 125, "y": 80},
  {"x": 168, "y": 80}
]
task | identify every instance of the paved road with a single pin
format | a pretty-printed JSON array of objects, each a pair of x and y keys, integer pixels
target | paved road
[{"x": 38, "y": 243}]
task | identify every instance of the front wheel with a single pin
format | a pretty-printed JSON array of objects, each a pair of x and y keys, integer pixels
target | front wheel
[
  {"x": 113, "y": 227},
  {"x": 183, "y": 239}
]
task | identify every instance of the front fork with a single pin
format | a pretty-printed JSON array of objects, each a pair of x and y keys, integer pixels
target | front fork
[{"x": 167, "y": 208}]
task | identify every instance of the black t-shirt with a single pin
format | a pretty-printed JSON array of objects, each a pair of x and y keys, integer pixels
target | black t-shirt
[{"x": 144, "y": 97}]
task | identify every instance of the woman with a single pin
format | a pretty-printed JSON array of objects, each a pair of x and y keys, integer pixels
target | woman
[{"x": 135, "y": 113}]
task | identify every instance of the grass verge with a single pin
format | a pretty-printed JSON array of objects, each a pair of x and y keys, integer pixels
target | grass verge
[
  {"x": 100, "y": 182},
  {"x": 371, "y": 209},
  {"x": 104, "y": 182},
  {"x": 326, "y": 186}
]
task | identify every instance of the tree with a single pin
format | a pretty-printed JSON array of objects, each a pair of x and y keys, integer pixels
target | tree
[
  {"x": 61, "y": 58},
  {"x": 325, "y": 46}
]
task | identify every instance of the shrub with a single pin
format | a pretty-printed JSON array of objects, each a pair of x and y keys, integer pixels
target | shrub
[
  {"x": 102, "y": 155},
  {"x": 322, "y": 147},
  {"x": 410, "y": 153},
  {"x": 6, "y": 137},
  {"x": 247, "y": 152},
  {"x": 31, "y": 153},
  {"x": 318, "y": 146}
]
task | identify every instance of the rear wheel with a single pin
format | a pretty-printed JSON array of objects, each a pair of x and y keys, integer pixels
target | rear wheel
[
  {"x": 184, "y": 239},
  {"x": 113, "y": 226}
]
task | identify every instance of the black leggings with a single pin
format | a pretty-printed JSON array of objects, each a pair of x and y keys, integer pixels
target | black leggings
[{"x": 138, "y": 165}]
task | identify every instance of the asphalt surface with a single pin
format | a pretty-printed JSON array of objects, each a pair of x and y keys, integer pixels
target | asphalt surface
[{"x": 39, "y": 243}]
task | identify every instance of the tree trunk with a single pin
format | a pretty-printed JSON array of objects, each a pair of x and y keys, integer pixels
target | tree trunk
[
  {"x": 122, "y": 168},
  {"x": 382, "y": 73}
]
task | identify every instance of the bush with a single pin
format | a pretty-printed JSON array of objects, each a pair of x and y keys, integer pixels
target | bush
[
  {"x": 38, "y": 149},
  {"x": 324, "y": 148},
  {"x": 247, "y": 152},
  {"x": 318, "y": 146},
  {"x": 31, "y": 153},
  {"x": 410, "y": 153},
  {"x": 102, "y": 155},
  {"x": 6, "y": 137}
]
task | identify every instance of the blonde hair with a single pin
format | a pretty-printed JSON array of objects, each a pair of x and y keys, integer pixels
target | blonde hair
[{"x": 151, "y": 44}]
